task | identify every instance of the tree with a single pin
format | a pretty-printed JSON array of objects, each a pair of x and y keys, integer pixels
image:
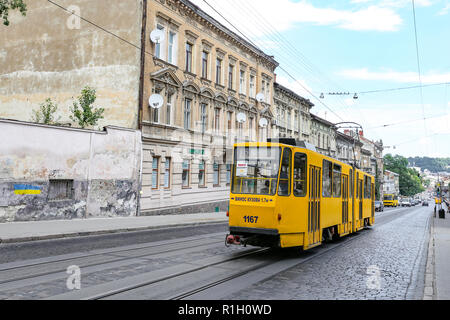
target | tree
[
  {"x": 83, "y": 112},
  {"x": 6, "y": 5},
  {"x": 409, "y": 179},
  {"x": 46, "y": 113}
]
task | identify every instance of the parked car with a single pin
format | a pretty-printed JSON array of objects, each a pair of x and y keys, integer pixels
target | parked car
[
  {"x": 405, "y": 203},
  {"x": 425, "y": 204},
  {"x": 379, "y": 206}
]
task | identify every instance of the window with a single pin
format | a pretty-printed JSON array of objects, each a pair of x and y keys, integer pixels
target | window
[
  {"x": 284, "y": 186},
  {"x": 336, "y": 181},
  {"x": 217, "y": 120},
  {"x": 367, "y": 187},
  {"x": 240, "y": 128},
  {"x": 203, "y": 117},
  {"x": 155, "y": 115},
  {"x": 229, "y": 121},
  {"x": 189, "y": 57},
  {"x": 60, "y": 190},
  {"x": 327, "y": 178},
  {"x": 187, "y": 114},
  {"x": 255, "y": 170},
  {"x": 201, "y": 174},
  {"x": 167, "y": 174},
  {"x": 218, "y": 71},
  {"x": 228, "y": 174},
  {"x": 242, "y": 84},
  {"x": 263, "y": 86},
  {"x": 351, "y": 183},
  {"x": 155, "y": 173},
  {"x": 300, "y": 175},
  {"x": 205, "y": 64},
  {"x": 250, "y": 129},
  {"x": 159, "y": 51},
  {"x": 169, "y": 107},
  {"x": 172, "y": 48},
  {"x": 267, "y": 93},
  {"x": 289, "y": 124},
  {"x": 230, "y": 76},
  {"x": 185, "y": 176},
  {"x": 252, "y": 86},
  {"x": 216, "y": 176}
]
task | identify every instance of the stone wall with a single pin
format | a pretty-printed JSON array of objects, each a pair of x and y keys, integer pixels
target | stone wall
[
  {"x": 51, "y": 54},
  {"x": 49, "y": 172}
]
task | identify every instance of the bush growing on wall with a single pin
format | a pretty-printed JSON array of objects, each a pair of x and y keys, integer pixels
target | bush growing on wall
[
  {"x": 46, "y": 113},
  {"x": 83, "y": 111}
]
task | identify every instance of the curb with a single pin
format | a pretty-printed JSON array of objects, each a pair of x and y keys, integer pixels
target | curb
[
  {"x": 105, "y": 232},
  {"x": 430, "y": 274}
]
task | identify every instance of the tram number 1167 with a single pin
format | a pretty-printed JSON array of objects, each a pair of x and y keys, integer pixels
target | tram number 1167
[{"x": 251, "y": 219}]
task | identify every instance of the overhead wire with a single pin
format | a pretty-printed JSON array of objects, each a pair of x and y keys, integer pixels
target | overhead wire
[
  {"x": 298, "y": 59},
  {"x": 282, "y": 68}
]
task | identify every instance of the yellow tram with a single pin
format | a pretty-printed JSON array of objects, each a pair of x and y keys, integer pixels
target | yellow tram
[{"x": 285, "y": 194}]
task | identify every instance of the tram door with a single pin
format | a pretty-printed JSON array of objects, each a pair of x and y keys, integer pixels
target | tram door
[
  {"x": 360, "y": 200},
  {"x": 314, "y": 206},
  {"x": 345, "y": 204}
]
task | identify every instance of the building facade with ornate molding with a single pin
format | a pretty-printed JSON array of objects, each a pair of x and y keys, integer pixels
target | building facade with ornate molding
[
  {"x": 323, "y": 136},
  {"x": 292, "y": 117},
  {"x": 207, "y": 75}
]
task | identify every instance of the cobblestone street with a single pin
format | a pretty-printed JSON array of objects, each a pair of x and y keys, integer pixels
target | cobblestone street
[{"x": 386, "y": 263}]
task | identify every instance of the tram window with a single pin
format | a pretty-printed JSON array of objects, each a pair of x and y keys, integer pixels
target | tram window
[
  {"x": 327, "y": 178},
  {"x": 351, "y": 183},
  {"x": 284, "y": 186},
  {"x": 299, "y": 175},
  {"x": 367, "y": 187},
  {"x": 336, "y": 181},
  {"x": 256, "y": 170}
]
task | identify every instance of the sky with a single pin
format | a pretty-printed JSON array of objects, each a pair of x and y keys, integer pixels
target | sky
[{"x": 359, "y": 46}]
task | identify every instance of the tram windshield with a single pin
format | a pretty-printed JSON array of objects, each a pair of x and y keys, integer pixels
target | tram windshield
[
  {"x": 256, "y": 170},
  {"x": 388, "y": 197}
]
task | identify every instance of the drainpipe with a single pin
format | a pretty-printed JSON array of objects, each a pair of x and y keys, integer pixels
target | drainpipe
[{"x": 142, "y": 76}]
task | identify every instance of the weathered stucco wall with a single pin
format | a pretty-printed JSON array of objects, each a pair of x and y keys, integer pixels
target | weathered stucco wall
[
  {"x": 100, "y": 171},
  {"x": 46, "y": 54}
]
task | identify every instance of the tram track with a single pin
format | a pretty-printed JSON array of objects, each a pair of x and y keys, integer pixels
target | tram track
[
  {"x": 16, "y": 272},
  {"x": 241, "y": 278},
  {"x": 216, "y": 273}
]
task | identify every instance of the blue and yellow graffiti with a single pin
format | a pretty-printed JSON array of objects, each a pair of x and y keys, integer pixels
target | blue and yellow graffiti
[{"x": 26, "y": 189}]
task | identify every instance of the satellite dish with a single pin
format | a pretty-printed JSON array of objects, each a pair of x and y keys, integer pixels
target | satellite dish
[
  {"x": 156, "y": 101},
  {"x": 241, "y": 117},
  {"x": 263, "y": 122},
  {"x": 157, "y": 36},
  {"x": 260, "y": 97}
]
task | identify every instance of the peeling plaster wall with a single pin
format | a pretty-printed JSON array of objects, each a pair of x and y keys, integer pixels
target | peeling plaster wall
[
  {"x": 104, "y": 168},
  {"x": 42, "y": 56}
]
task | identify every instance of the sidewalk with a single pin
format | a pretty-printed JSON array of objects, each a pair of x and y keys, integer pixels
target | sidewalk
[
  {"x": 42, "y": 230},
  {"x": 437, "y": 278}
]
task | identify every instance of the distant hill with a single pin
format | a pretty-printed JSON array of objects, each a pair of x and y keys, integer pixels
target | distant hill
[{"x": 432, "y": 164}]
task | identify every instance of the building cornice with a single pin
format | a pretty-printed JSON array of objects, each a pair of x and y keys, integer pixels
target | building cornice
[{"x": 188, "y": 8}]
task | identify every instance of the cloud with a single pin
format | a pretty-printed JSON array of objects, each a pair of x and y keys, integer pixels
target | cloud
[
  {"x": 444, "y": 10},
  {"x": 394, "y": 76},
  {"x": 247, "y": 16},
  {"x": 296, "y": 86}
]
